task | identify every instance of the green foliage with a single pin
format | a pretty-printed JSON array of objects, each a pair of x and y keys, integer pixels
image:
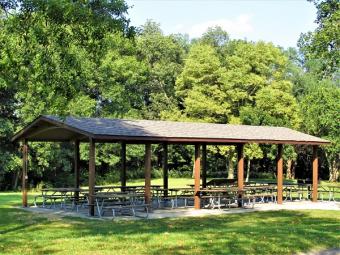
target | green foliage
[
  {"x": 321, "y": 107},
  {"x": 274, "y": 106},
  {"x": 163, "y": 58},
  {"x": 82, "y": 58},
  {"x": 322, "y": 46},
  {"x": 198, "y": 85},
  {"x": 249, "y": 68},
  {"x": 62, "y": 57}
]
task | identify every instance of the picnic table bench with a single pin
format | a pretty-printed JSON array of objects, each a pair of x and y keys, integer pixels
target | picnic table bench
[{"x": 129, "y": 209}]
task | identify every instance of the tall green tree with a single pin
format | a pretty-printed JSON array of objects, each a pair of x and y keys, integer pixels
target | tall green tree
[
  {"x": 249, "y": 68},
  {"x": 62, "y": 57},
  {"x": 201, "y": 95},
  {"x": 321, "y": 107},
  {"x": 163, "y": 58},
  {"x": 321, "y": 47}
]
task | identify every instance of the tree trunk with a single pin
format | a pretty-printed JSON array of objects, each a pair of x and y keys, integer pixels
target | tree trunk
[
  {"x": 16, "y": 180},
  {"x": 248, "y": 170},
  {"x": 230, "y": 166},
  {"x": 293, "y": 169},
  {"x": 193, "y": 168},
  {"x": 333, "y": 171},
  {"x": 289, "y": 169}
]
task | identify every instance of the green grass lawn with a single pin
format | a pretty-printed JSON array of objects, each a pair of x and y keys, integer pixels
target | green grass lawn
[
  {"x": 283, "y": 232},
  {"x": 173, "y": 182},
  {"x": 184, "y": 182}
]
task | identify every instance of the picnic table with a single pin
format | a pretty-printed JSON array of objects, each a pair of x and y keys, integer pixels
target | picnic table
[
  {"x": 57, "y": 194},
  {"x": 185, "y": 194},
  {"x": 107, "y": 188},
  {"x": 118, "y": 201},
  {"x": 262, "y": 192},
  {"x": 331, "y": 191},
  {"x": 216, "y": 196}
]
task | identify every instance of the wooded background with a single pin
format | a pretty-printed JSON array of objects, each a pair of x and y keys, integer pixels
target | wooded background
[{"x": 82, "y": 58}]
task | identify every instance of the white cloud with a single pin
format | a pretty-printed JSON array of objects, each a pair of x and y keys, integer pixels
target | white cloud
[{"x": 238, "y": 27}]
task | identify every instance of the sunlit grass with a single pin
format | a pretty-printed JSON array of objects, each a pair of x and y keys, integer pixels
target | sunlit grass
[{"x": 283, "y": 232}]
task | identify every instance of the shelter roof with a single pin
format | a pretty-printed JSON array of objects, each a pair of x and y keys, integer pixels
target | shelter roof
[{"x": 53, "y": 128}]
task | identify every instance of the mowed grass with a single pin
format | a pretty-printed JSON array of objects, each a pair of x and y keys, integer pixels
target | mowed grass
[
  {"x": 186, "y": 182},
  {"x": 173, "y": 182},
  {"x": 280, "y": 232}
]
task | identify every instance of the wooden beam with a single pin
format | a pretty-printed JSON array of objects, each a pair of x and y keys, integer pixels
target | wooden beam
[
  {"x": 24, "y": 173},
  {"x": 315, "y": 173},
  {"x": 123, "y": 166},
  {"x": 240, "y": 167},
  {"x": 240, "y": 172},
  {"x": 197, "y": 200},
  {"x": 92, "y": 175},
  {"x": 76, "y": 168},
  {"x": 165, "y": 169},
  {"x": 204, "y": 165},
  {"x": 147, "y": 173},
  {"x": 279, "y": 166}
]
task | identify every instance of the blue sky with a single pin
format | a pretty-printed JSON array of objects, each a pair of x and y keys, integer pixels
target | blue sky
[{"x": 278, "y": 21}]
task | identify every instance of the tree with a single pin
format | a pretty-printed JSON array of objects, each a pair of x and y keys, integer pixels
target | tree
[
  {"x": 201, "y": 95},
  {"x": 56, "y": 54},
  {"x": 215, "y": 36},
  {"x": 252, "y": 151},
  {"x": 249, "y": 68},
  {"x": 274, "y": 106},
  {"x": 322, "y": 46},
  {"x": 163, "y": 58},
  {"x": 321, "y": 107}
]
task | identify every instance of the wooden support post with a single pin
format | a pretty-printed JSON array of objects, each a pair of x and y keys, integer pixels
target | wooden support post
[
  {"x": 315, "y": 173},
  {"x": 204, "y": 166},
  {"x": 92, "y": 175},
  {"x": 279, "y": 166},
  {"x": 147, "y": 173},
  {"x": 240, "y": 172},
  {"x": 123, "y": 166},
  {"x": 24, "y": 173},
  {"x": 165, "y": 169},
  {"x": 197, "y": 200},
  {"x": 76, "y": 169}
]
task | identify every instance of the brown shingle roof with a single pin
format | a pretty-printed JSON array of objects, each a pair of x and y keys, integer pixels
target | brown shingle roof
[{"x": 157, "y": 131}]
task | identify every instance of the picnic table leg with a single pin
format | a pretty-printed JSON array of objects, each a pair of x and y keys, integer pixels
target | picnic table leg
[{"x": 99, "y": 207}]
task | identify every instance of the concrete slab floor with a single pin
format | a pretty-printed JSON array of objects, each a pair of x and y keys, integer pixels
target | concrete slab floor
[{"x": 191, "y": 212}]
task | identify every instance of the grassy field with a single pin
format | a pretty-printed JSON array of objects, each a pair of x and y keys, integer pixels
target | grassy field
[
  {"x": 283, "y": 232},
  {"x": 184, "y": 182}
]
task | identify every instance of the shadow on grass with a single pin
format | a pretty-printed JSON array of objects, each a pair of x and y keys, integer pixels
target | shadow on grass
[{"x": 276, "y": 232}]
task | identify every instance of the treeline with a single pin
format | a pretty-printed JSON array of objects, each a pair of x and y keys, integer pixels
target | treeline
[{"x": 83, "y": 58}]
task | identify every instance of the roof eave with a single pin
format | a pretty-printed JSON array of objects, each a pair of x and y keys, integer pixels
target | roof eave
[
  {"x": 112, "y": 138},
  {"x": 21, "y": 134}
]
